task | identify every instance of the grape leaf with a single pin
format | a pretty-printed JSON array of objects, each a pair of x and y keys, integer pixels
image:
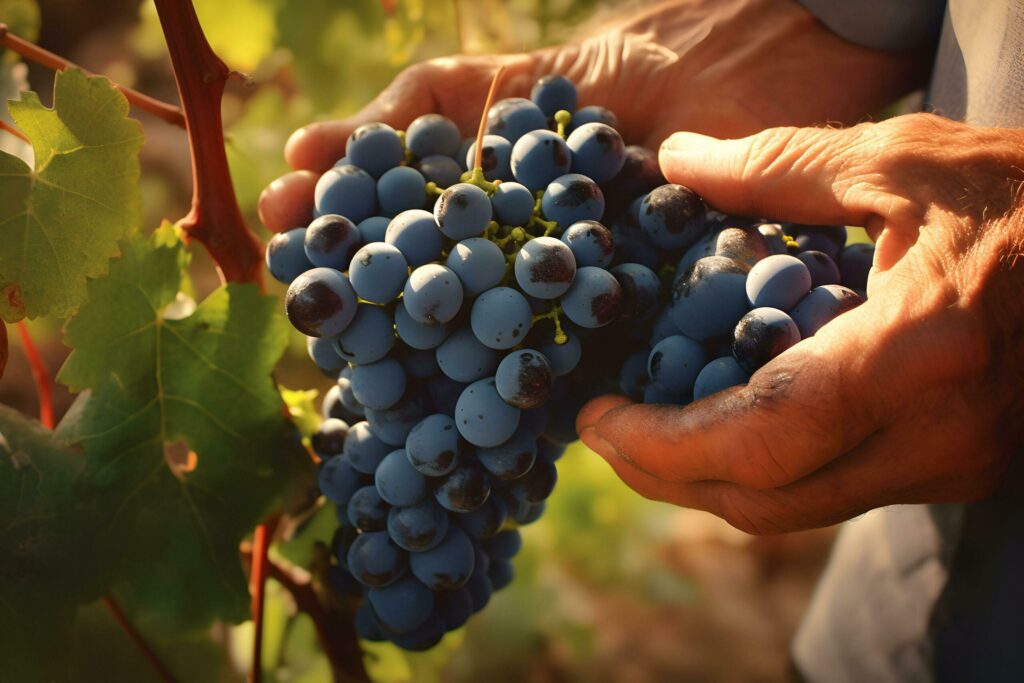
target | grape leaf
[
  {"x": 185, "y": 435},
  {"x": 60, "y": 223},
  {"x": 44, "y": 549}
]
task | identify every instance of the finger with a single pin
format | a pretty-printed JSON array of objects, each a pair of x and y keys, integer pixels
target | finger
[
  {"x": 807, "y": 175},
  {"x": 799, "y": 412},
  {"x": 318, "y": 146},
  {"x": 594, "y": 410},
  {"x": 288, "y": 201}
]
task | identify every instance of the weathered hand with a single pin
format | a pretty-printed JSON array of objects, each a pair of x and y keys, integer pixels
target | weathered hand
[
  {"x": 722, "y": 67},
  {"x": 917, "y": 395}
]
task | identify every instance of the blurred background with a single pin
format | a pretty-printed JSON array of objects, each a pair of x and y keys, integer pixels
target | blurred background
[{"x": 609, "y": 587}]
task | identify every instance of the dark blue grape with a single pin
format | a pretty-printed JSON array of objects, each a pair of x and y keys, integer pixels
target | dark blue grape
[
  {"x": 379, "y": 385},
  {"x": 513, "y": 117},
  {"x": 286, "y": 255},
  {"x": 496, "y": 160},
  {"x": 719, "y": 374},
  {"x": 549, "y": 450},
  {"x": 462, "y": 211},
  {"x": 393, "y": 425},
  {"x": 501, "y": 317},
  {"x": 368, "y": 338},
  {"x": 366, "y": 626},
  {"x": 415, "y": 234},
  {"x": 672, "y": 216},
  {"x": 855, "y": 264},
  {"x": 433, "y": 445},
  {"x": 633, "y": 377},
  {"x": 440, "y": 170},
  {"x": 500, "y": 573},
  {"x": 367, "y": 511},
  {"x": 347, "y": 191},
  {"x": 538, "y": 157},
  {"x": 774, "y": 235},
  {"x": 378, "y": 272},
  {"x": 375, "y": 148},
  {"x": 504, "y": 546},
  {"x": 320, "y": 302},
  {"x": 483, "y": 418},
  {"x": 821, "y": 306},
  {"x": 403, "y": 605},
  {"x": 338, "y": 480},
  {"x": 444, "y": 394},
  {"x": 778, "y": 282},
  {"x": 486, "y": 520},
  {"x": 416, "y": 334},
  {"x": 323, "y": 352},
  {"x": 465, "y": 489},
  {"x": 545, "y": 268},
  {"x": 454, "y": 607},
  {"x": 822, "y": 268},
  {"x": 537, "y": 484},
  {"x": 398, "y": 482},
  {"x": 641, "y": 291},
  {"x": 373, "y": 229},
  {"x": 331, "y": 241},
  {"x": 400, "y": 189},
  {"x": 375, "y": 560},
  {"x": 329, "y": 437},
  {"x": 554, "y": 93},
  {"x": 511, "y": 459},
  {"x": 594, "y": 114},
  {"x": 572, "y": 198},
  {"x": 363, "y": 449},
  {"x": 591, "y": 243},
  {"x": 597, "y": 151},
  {"x": 746, "y": 245},
  {"x": 423, "y": 637},
  {"x": 513, "y": 204},
  {"x": 479, "y": 263},
  {"x": 419, "y": 363},
  {"x": 463, "y": 358},
  {"x": 563, "y": 357},
  {"x": 710, "y": 298},
  {"x": 595, "y": 298},
  {"x": 433, "y": 294},
  {"x": 432, "y": 134},
  {"x": 524, "y": 379},
  {"x": 419, "y": 527},
  {"x": 761, "y": 335},
  {"x": 448, "y": 565},
  {"x": 827, "y": 238}
]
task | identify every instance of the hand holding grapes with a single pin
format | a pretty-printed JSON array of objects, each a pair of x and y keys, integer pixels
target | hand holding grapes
[
  {"x": 912, "y": 397},
  {"x": 681, "y": 65}
]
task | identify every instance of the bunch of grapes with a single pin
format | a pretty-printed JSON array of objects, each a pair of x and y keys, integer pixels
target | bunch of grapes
[{"x": 471, "y": 295}]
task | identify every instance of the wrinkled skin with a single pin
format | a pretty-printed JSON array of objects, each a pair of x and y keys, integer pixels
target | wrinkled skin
[
  {"x": 913, "y": 397},
  {"x": 721, "y": 67}
]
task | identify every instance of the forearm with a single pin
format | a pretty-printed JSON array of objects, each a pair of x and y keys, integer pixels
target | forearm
[{"x": 732, "y": 67}]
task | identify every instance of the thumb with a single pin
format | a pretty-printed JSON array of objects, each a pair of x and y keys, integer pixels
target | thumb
[{"x": 806, "y": 175}]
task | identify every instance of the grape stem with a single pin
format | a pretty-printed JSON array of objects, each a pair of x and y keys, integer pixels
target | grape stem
[
  {"x": 478, "y": 161},
  {"x": 40, "y": 375},
  {"x": 32, "y": 52},
  {"x": 257, "y": 588},
  {"x": 215, "y": 219},
  {"x": 333, "y": 631},
  {"x": 554, "y": 315}
]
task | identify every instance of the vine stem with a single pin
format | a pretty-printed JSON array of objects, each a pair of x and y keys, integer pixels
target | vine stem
[
  {"x": 215, "y": 219},
  {"x": 122, "y": 620},
  {"x": 478, "y": 161},
  {"x": 331, "y": 631},
  {"x": 41, "y": 376},
  {"x": 14, "y": 131},
  {"x": 32, "y": 52},
  {"x": 257, "y": 588}
]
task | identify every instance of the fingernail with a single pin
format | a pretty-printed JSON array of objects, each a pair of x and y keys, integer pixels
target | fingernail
[
  {"x": 595, "y": 443},
  {"x": 683, "y": 141}
]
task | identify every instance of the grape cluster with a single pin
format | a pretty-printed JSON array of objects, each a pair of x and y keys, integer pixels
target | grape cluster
[
  {"x": 469, "y": 302},
  {"x": 738, "y": 292}
]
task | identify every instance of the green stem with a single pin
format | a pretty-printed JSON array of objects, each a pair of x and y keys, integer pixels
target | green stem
[{"x": 554, "y": 315}]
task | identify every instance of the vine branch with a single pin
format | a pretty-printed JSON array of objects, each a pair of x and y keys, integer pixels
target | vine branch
[
  {"x": 41, "y": 376},
  {"x": 333, "y": 629},
  {"x": 13, "y": 131},
  {"x": 122, "y": 620},
  {"x": 34, "y": 53},
  {"x": 215, "y": 219}
]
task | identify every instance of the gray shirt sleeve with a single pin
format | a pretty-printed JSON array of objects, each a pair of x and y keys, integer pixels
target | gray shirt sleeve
[{"x": 899, "y": 25}]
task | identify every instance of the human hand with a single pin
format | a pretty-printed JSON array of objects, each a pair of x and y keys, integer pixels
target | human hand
[
  {"x": 913, "y": 397},
  {"x": 722, "y": 67}
]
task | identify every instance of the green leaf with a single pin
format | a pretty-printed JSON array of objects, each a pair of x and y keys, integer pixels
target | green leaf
[
  {"x": 166, "y": 382},
  {"x": 60, "y": 223},
  {"x": 44, "y": 549}
]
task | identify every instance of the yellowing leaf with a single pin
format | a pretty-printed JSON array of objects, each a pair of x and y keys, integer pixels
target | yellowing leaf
[{"x": 60, "y": 222}]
